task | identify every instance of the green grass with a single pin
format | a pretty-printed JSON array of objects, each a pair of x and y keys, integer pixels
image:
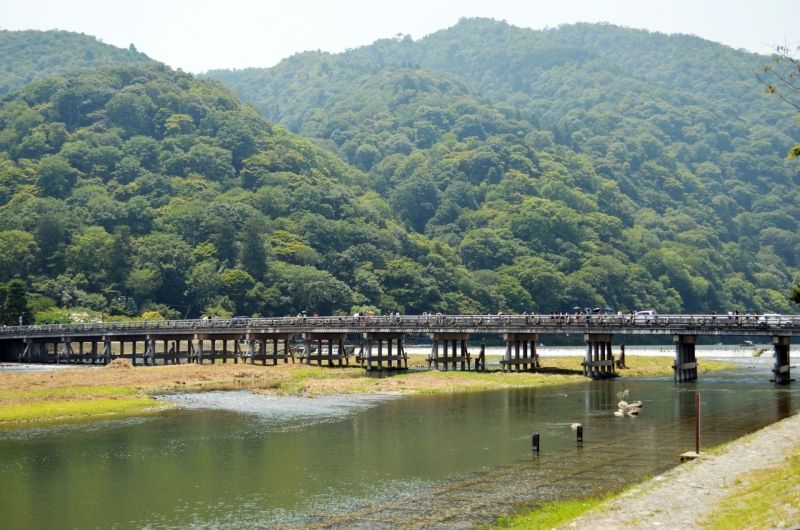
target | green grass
[
  {"x": 549, "y": 514},
  {"x": 49, "y": 410},
  {"x": 47, "y": 404},
  {"x": 69, "y": 392},
  {"x": 761, "y": 499}
]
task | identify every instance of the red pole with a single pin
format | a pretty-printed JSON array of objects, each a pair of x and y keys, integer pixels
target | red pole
[{"x": 697, "y": 423}]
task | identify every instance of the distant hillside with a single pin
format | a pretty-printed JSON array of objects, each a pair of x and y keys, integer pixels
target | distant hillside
[
  {"x": 29, "y": 55},
  {"x": 132, "y": 189},
  {"x": 614, "y": 165}
]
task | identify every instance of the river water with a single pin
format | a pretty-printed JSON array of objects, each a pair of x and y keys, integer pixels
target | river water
[{"x": 235, "y": 460}]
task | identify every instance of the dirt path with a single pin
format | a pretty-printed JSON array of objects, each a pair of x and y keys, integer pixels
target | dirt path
[{"x": 683, "y": 495}]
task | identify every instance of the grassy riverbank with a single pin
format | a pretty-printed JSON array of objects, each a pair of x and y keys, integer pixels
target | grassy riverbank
[
  {"x": 767, "y": 498},
  {"x": 550, "y": 514},
  {"x": 119, "y": 389}
]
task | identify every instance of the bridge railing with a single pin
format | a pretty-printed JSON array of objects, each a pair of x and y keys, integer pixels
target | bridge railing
[{"x": 420, "y": 323}]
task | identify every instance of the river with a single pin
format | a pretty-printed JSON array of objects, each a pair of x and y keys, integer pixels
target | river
[{"x": 235, "y": 460}]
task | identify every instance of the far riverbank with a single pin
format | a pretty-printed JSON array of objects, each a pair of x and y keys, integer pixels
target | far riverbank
[{"x": 119, "y": 389}]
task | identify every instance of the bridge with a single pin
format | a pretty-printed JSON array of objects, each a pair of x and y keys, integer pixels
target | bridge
[{"x": 379, "y": 339}]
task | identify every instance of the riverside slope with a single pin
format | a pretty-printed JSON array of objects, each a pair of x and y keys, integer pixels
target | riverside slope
[{"x": 686, "y": 495}]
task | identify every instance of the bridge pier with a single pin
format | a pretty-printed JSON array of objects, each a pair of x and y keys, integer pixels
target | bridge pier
[
  {"x": 520, "y": 353},
  {"x": 33, "y": 351},
  {"x": 685, "y": 366},
  {"x": 373, "y": 358},
  {"x": 599, "y": 360},
  {"x": 201, "y": 353},
  {"x": 781, "y": 370},
  {"x": 107, "y": 353},
  {"x": 335, "y": 350},
  {"x": 257, "y": 347},
  {"x": 449, "y": 356}
]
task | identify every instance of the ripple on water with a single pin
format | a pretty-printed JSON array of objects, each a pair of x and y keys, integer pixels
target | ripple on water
[{"x": 283, "y": 411}]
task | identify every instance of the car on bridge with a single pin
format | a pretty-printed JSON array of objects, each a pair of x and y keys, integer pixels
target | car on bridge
[
  {"x": 768, "y": 320},
  {"x": 648, "y": 316}
]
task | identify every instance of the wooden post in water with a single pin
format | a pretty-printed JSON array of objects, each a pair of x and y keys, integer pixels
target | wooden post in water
[
  {"x": 691, "y": 455},
  {"x": 697, "y": 423}
]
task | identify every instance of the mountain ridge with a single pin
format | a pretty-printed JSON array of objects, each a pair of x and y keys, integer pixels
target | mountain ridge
[{"x": 557, "y": 181}]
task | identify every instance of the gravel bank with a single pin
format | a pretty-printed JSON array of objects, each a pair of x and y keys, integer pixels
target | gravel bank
[{"x": 682, "y": 496}]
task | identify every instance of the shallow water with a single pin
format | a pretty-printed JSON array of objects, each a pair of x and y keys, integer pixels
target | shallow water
[{"x": 234, "y": 460}]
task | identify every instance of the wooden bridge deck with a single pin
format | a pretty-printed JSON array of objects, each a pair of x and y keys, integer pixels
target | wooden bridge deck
[{"x": 714, "y": 325}]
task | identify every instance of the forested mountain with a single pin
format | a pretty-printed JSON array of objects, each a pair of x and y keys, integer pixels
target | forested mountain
[
  {"x": 590, "y": 163},
  {"x": 482, "y": 168},
  {"x": 137, "y": 188},
  {"x": 29, "y": 55}
]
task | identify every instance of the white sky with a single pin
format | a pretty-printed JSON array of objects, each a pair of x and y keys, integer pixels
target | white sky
[{"x": 197, "y": 35}]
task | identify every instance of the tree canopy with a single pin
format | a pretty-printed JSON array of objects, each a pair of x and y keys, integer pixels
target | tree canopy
[{"x": 482, "y": 168}]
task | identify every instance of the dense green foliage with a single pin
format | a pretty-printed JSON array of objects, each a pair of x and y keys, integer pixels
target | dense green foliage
[
  {"x": 482, "y": 168},
  {"x": 14, "y": 303},
  {"x": 584, "y": 164},
  {"x": 31, "y": 55},
  {"x": 130, "y": 189}
]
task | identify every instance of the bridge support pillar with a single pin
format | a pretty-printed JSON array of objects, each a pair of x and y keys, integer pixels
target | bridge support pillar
[
  {"x": 65, "y": 351},
  {"x": 329, "y": 348},
  {"x": 34, "y": 352},
  {"x": 260, "y": 343},
  {"x": 106, "y": 350},
  {"x": 521, "y": 355},
  {"x": 685, "y": 367},
  {"x": 199, "y": 350},
  {"x": 780, "y": 372},
  {"x": 599, "y": 360},
  {"x": 449, "y": 353},
  {"x": 201, "y": 353},
  {"x": 374, "y": 359}
]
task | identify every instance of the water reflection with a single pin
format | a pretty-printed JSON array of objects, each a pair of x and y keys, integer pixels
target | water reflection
[
  {"x": 452, "y": 460},
  {"x": 783, "y": 403}
]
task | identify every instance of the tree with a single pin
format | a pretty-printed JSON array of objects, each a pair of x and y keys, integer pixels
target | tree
[
  {"x": 121, "y": 254},
  {"x": 172, "y": 257},
  {"x": 14, "y": 305},
  {"x": 18, "y": 253},
  {"x": 235, "y": 284},
  {"x": 485, "y": 248},
  {"x": 416, "y": 201},
  {"x": 203, "y": 283},
  {"x": 308, "y": 289},
  {"x": 253, "y": 254},
  {"x": 51, "y": 237},
  {"x": 144, "y": 282},
  {"x": 56, "y": 177},
  {"x": 91, "y": 254},
  {"x": 131, "y": 111}
]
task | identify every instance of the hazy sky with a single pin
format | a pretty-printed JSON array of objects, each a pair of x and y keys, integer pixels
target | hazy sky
[{"x": 197, "y": 35}]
